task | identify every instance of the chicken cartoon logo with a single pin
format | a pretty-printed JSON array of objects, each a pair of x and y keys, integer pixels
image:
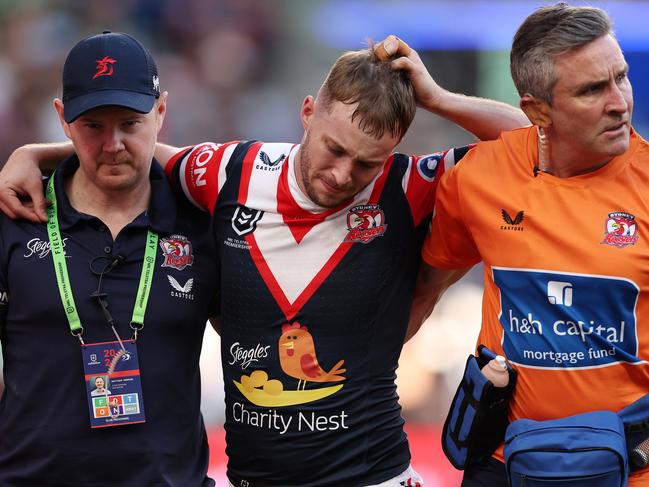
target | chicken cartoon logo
[
  {"x": 621, "y": 230},
  {"x": 298, "y": 359},
  {"x": 365, "y": 223}
]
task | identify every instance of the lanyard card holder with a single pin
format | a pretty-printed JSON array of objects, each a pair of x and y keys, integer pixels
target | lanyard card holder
[{"x": 114, "y": 391}]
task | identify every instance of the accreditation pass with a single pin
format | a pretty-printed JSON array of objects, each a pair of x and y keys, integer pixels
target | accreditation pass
[{"x": 115, "y": 399}]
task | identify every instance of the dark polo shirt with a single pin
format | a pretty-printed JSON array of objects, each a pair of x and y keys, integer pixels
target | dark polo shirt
[{"x": 45, "y": 434}]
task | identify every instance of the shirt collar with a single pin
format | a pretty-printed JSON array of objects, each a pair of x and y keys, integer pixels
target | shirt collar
[{"x": 159, "y": 217}]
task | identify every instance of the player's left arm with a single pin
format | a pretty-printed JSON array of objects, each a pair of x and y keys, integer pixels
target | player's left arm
[
  {"x": 421, "y": 178},
  {"x": 484, "y": 118},
  {"x": 449, "y": 250},
  {"x": 165, "y": 153},
  {"x": 431, "y": 284}
]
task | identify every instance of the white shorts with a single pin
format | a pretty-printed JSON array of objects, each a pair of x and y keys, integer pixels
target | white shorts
[{"x": 409, "y": 478}]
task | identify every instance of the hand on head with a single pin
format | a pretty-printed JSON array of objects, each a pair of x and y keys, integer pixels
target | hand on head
[
  {"x": 391, "y": 47},
  {"x": 402, "y": 57}
]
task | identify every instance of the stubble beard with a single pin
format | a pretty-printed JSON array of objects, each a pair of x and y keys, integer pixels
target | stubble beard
[{"x": 304, "y": 174}]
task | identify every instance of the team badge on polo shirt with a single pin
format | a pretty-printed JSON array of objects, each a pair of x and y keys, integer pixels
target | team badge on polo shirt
[
  {"x": 365, "y": 223},
  {"x": 177, "y": 251},
  {"x": 621, "y": 230}
]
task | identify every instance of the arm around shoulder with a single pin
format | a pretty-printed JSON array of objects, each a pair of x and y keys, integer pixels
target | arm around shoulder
[
  {"x": 21, "y": 190},
  {"x": 484, "y": 118},
  {"x": 164, "y": 153}
]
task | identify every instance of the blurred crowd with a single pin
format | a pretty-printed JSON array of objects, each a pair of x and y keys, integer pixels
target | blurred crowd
[
  {"x": 235, "y": 69},
  {"x": 209, "y": 54}
]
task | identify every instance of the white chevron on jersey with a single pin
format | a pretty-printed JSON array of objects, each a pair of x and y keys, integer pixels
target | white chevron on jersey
[
  {"x": 262, "y": 188},
  {"x": 294, "y": 266},
  {"x": 406, "y": 176}
]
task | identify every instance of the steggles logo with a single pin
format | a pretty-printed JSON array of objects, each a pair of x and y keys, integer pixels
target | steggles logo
[{"x": 39, "y": 247}]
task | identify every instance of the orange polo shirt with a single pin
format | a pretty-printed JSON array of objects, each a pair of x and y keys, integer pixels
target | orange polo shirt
[{"x": 566, "y": 263}]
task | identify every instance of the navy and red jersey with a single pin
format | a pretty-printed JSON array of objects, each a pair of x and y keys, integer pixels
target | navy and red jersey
[
  {"x": 314, "y": 308},
  {"x": 45, "y": 434}
]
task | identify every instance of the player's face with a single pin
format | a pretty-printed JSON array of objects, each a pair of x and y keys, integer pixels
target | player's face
[
  {"x": 99, "y": 383},
  {"x": 115, "y": 145},
  {"x": 337, "y": 159},
  {"x": 592, "y": 104}
]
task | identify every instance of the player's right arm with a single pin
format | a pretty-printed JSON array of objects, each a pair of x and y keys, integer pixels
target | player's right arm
[
  {"x": 21, "y": 187},
  {"x": 199, "y": 172}
]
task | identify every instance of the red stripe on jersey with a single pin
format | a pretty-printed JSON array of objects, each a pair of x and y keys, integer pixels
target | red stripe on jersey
[
  {"x": 425, "y": 173},
  {"x": 298, "y": 220},
  {"x": 380, "y": 182},
  {"x": 201, "y": 173},
  {"x": 320, "y": 277},
  {"x": 286, "y": 202},
  {"x": 171, "y": 164},
  {"x": 246, "y": 171},
  {"x": 291, "y": 310},
  {"x": 267, "y": 275}
]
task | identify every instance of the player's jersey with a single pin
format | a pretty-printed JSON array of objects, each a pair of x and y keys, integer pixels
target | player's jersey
[
  {"x": 566, "y": 271},
  {"x": 314, "y": 311}
]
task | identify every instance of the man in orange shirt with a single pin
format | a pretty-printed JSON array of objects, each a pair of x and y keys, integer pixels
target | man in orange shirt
[{"x": 556, "y": 213}]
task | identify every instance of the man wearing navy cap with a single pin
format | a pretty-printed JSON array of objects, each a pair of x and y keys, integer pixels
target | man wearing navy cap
[{"x": 116, "y": 240}]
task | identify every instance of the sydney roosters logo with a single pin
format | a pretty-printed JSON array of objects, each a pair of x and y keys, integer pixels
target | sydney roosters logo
[
  {"x": 365, "y": 223},
  {"x": 104, "y": 67},
  {"x": 621, "y": 230},
  {"x": 177, "y": 251}
]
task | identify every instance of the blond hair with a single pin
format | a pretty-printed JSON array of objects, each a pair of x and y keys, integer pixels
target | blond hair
[{"x": 385, "y": 97}]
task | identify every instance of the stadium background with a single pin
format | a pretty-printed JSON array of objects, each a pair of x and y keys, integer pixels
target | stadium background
[{"x": 238, "y": 69}]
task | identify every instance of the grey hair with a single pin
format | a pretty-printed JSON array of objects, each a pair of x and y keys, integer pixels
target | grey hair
[{"x": 547, "y": 33}]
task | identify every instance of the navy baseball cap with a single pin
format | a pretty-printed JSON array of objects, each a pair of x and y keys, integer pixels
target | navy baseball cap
[{"x": 111, "y": 68}]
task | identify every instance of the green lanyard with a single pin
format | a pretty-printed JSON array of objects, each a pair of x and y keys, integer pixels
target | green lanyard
[{"x": 63, "y": 280}]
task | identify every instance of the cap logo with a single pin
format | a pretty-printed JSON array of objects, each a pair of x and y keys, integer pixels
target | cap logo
[
  {"x": 104, "y": 67},
  {"x": 156, "y": 84}
]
